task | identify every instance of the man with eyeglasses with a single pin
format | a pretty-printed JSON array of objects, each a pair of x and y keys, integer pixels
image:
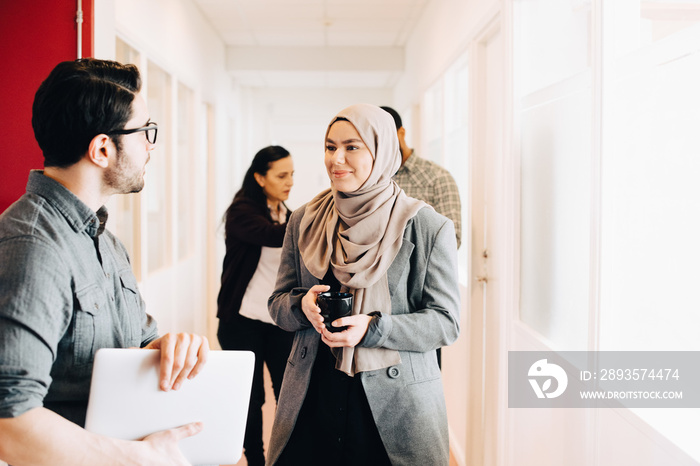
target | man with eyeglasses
[{"x": 66, "y": 285}]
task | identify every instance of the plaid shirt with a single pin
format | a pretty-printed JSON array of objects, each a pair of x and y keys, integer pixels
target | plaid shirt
[{"x": 429, "y": 182}]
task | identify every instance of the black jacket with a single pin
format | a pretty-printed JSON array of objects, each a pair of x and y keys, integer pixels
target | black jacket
[{"x": 249, "y": 227}]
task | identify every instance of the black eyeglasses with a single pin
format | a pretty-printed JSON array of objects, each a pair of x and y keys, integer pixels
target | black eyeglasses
[{"x": 151, "y": 130}]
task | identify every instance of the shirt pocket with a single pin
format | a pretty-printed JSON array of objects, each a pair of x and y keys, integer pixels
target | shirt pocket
[
  {"x": 130, "y": 289},
  {"x": 92, "y": 304},
  {"x": 133, "y": 307}
]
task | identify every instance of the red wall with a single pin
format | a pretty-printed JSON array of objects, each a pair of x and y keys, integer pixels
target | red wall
[{"x": 34, "y": 37}]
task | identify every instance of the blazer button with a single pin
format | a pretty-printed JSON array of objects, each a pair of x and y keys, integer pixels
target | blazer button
[
  {"x": 303, "y": 352},
  {"x": 393, "y": 372}
]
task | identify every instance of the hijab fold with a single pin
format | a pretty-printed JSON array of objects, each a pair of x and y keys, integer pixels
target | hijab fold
[{"x": 359, "y": 234}]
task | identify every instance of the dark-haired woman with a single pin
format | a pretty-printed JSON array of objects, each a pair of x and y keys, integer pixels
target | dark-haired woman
[{"x": 255, "y": 227}]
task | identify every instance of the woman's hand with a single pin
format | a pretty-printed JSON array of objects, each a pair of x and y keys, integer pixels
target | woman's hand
[
  {"x": 311, "y": 309},
  {"x": 356, "y": 328}
]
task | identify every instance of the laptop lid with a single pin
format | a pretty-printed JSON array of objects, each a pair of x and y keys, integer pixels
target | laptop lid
[{"x": 125, "y": 401}]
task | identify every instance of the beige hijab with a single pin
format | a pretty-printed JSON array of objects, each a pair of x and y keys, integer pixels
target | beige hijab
[{"x": 358, "y": 234}]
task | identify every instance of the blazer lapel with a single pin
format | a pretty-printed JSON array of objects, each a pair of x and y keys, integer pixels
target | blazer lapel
[{"x": 397, "y": 268}]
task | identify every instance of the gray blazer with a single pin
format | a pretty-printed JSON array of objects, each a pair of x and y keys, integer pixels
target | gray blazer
[{"x": 406, "y": 400}]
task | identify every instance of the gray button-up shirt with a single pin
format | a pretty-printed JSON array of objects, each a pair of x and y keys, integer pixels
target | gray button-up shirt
[{"x": 66, "y": 290}]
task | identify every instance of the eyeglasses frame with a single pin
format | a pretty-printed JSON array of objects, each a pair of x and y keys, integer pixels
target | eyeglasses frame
[{"x": 149, "y": 126}]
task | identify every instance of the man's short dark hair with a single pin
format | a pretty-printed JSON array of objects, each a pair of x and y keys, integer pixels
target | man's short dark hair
[
  {"x": 395, "y": 114},
  {"x": 79, "y": 100}
]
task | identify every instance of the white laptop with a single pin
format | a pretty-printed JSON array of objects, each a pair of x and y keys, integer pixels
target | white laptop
[{"x": 125, "y": 401}]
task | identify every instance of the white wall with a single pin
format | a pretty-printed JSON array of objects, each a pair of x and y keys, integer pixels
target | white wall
[{"x": 443, "y": 33}]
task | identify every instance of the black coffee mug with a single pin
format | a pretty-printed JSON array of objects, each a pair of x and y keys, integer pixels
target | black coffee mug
[{"x": 334, "y": 305}]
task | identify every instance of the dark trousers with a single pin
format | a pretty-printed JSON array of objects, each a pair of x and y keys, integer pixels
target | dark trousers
[{"x": 271, "y": 346}]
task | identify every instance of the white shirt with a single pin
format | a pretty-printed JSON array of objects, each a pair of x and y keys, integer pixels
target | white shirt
[{"x": 261, "y": 286}]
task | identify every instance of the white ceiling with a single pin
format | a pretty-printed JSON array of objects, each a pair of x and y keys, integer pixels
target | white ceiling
[{"x": 314, "y": 43}]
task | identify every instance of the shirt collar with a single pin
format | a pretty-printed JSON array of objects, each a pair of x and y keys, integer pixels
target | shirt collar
[
  {"x": 410, "y": 162},
  {"x": 78, "y": 215},
  {"x": 279, "y": 215}
]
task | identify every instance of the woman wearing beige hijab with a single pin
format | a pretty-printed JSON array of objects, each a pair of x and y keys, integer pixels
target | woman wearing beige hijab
[{"x": 372, "y": 393}]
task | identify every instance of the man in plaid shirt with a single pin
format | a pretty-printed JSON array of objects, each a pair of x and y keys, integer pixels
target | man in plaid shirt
[{"x": 427, "y": 181}]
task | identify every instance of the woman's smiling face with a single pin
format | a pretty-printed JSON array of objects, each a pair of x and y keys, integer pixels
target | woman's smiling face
[{"x": 348, "y": 160}]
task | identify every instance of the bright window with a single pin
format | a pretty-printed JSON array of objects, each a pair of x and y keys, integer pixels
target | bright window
[
  {"x": 609, "y": 169},
  {"x": 445, "y": 137},
  {"x": 554, "y": 112}
]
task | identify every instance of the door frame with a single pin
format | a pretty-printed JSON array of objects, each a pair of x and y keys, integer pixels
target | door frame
[{"x": 493, "y": 185}]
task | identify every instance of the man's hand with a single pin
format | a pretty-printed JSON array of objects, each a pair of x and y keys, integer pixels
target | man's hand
[
  {"x": 166, "y": 443},
  {"x": 43, "y": 438},
  {"x": 182, "y": 356}
]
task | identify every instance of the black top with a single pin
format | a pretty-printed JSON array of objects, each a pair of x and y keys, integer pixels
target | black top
[
  {"x": 249, "y": 227},
  {"x": 335, "y": 424}
]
